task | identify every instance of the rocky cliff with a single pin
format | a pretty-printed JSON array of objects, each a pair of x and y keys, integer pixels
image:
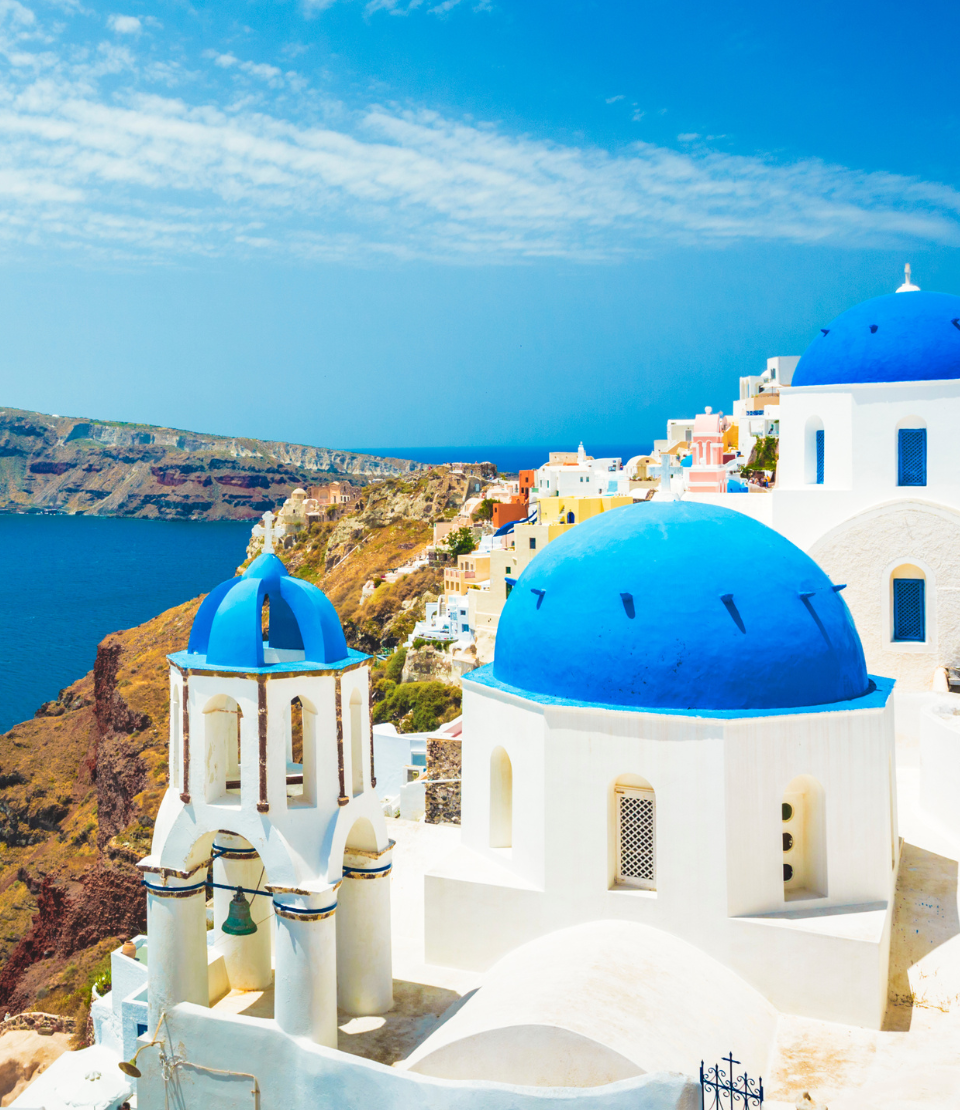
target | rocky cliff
[{"x": 75, "y": 465}]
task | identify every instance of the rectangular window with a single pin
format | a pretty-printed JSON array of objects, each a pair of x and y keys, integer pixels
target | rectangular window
[
  {"x": 636, "y": 837},
  {"x": 820, "y": 445},
  {"x": 912, "y": 457},
  {"x": 909, "y": 618},
  {"x": 533, "y": 544}
]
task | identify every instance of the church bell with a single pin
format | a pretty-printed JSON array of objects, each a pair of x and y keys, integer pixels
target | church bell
[{"x": 239, "y": 922}]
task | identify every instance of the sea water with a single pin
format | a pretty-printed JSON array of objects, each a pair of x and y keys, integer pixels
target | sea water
[{"x": 68, "y": 581}]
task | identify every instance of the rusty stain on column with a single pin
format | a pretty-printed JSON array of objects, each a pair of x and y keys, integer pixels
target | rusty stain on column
[
  {"x": 263, "y": 805},
  {"x": 373, "y": 775},
  {"x": 343, "y": 799},
  {"x": 185, "y": 733}
]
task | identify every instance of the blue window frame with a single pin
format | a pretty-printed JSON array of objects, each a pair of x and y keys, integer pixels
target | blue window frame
[
  {"x": 912, "y": 457},
  {"x": 820, "y": 445},
  {"x": 909, "y": 616}
]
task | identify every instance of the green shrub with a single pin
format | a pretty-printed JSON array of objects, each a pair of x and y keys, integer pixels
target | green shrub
[{"x": 418, "y": 706}]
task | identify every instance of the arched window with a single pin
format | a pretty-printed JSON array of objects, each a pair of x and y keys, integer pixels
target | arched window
[
  {"x": 571, "y": 518},
  {"x": 501, "y": 799},
  {"x": 222, "y": 760},
  {"x": 912, "y": 452},
  {"x": 908, "y": 604},
  {"x": 635, "y": 833},
  {"x": 815, "y": 451},
  {"x": 356, "y": 743},
  {"x": 301, "y": 752},
  {"x": 803, "y": 840},
  {"x": 176, "y": 741}
]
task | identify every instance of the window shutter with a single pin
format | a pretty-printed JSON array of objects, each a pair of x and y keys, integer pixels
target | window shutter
[
  {"x": 636, "y": 838},
  {"x": 820, "y": 446},
  {"x": 909, "y": 622},
  {"x": 912, "y": 457}
]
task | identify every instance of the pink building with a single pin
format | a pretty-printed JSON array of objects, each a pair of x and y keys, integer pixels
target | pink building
[{"x": 708, "y": 474}]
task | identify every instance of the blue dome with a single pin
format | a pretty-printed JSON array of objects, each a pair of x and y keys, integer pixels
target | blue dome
[
  {"x": 902, "y": 337},
  {"x": 676, "y": 605},
  {"x": 304, "y": 626}
]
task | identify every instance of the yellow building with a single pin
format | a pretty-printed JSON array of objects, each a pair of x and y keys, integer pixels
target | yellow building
[
  {"x": 575, "y": 510},
  {"x": 470, "y": 570}
]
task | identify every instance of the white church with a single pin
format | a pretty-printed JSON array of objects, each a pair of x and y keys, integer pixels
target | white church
[{"x": 679, "y": 798}]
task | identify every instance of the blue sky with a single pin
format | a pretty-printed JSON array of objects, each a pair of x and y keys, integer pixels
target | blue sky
[{"x": 354, "y": 223}]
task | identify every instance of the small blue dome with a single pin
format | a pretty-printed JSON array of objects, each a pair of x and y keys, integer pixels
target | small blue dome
[
  {"x": 304, "y": 626},
  {"x": 677, "y": 605},
  {"x": 902, "y": 337}
]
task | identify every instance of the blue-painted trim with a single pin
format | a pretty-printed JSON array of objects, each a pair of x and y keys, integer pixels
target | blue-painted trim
[
  {"x": 299, "y": 911},
  {"x": 367, "y": 870},
  {"x": 192, "y": 661},
  {"x": 247, "y": 853},
  {"x": 171, "y": 889},
  {"x": 875, "y": 698}
]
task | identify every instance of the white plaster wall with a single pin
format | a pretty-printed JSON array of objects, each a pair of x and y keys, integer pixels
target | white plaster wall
[
  {"x": 719, "y": 786},
  {"x": 293, "y": 1074},
  {"x": 940, "y": 766},
  {"x": 864, "y": 550},
  {"x": 835, "y": 408}
]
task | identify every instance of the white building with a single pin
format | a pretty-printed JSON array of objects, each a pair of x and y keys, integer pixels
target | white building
[
  {"x": 679, "y": 731},
  {"x": 446, "y": 621},
  {"x": 580, "y": 475}
]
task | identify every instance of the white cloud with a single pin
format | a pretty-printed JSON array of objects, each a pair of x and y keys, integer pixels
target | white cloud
[
  {"x": 150, "y": 175},
  {"x": 124, "y": 24},
  {"x": 614, "y": 99}
]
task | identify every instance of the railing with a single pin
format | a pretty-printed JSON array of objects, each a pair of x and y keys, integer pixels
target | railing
[{"x": 726, "y": 1090}]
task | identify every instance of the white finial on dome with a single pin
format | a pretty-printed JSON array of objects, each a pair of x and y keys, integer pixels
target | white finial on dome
[
  {"x": 908, "y": 286},
  {"x": 581, "y": 454},
  {"x": 265, "y": 530}
]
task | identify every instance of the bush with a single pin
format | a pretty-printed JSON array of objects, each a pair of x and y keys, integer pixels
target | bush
[
  {"x": 103, "y": 983},
  {"x": 418, "y": 706},
  {"x": 461, "y": 542},
  {"x": 484, "y": 511}
]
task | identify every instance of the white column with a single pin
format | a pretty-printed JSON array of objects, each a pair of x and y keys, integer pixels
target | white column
[
  {"x": 176, "y": 943},
  {"x": 247, "y": 958},
  {"x": 305, "y": 996},
  {"x": 364, "y": 958}
]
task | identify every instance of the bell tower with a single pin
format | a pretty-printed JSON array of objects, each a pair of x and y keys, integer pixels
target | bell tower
[{"x": 272, "y": 798}]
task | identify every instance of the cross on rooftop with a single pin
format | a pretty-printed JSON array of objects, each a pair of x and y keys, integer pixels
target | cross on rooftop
[{"x": 266, "y": 530}]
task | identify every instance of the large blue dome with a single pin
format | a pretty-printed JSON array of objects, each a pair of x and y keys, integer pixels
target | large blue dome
[
  {"x": 677, "y": 605},
  {"x": 902, "y": 337},
  {"x": 304, "y": 626}
]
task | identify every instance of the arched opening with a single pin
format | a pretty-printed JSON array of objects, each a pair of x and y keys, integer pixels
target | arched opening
[
  {"x": 803, "y": 840},
  {"x": 501, "y": 799},
  {"x": 633, "y": 828},
  {"x": 222, "y": 754},
  {"x": 176, "y": 741},
  {"x": 301, "y": 752},
  {"x": 908, "y": 605},
  {"x": 815, "y": 445},
  {"x": 912, "y": 452},
  {"x": 571, "y": 518},
  {"x": 356, "y": 743},
  {"x": 247, "y": 955}
]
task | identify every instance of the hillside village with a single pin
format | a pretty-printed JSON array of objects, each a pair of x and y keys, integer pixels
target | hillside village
[{"x": 456, "y": 755}]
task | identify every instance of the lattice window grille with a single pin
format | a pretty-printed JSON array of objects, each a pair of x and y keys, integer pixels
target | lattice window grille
[
  {"x": 821, "y": 443},
  {"x": 908, "y": 609},
  {"x": 636, "y": 838},
  {"x": 912, "y": 457}
]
